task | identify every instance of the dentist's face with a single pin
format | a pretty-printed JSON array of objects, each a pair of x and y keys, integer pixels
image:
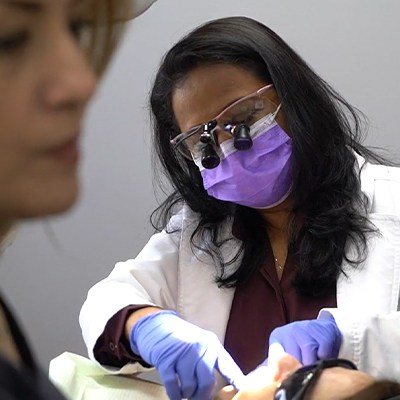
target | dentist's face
[{"x": 45, "y": 84}]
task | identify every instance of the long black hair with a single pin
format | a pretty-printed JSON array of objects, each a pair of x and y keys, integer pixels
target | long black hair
[{"x": 326, "y": 133}]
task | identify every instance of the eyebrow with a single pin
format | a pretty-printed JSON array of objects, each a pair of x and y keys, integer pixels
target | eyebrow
[
  {"x": 23, "y": 5},
  {"x": 29, "y": 6}
]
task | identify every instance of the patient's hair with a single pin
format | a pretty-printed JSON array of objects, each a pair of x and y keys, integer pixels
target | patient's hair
[
  {"x": 379, "y": 390},
  {"x": 105, "y": 21}
]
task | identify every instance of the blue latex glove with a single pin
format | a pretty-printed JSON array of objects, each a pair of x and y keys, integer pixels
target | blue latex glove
[
  {"x": 310, "y": 340},
  {"x": 184, "y": 355}
]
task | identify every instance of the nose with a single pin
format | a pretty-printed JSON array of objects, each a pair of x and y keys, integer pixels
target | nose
[
  {"x": 69, "y": 80},
  {"x": 222, "y": 135}
]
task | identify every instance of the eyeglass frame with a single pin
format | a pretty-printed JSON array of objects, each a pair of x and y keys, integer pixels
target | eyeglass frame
[
  {"x": 178, "y": 139},
  {"x": 311, "y": 374}
]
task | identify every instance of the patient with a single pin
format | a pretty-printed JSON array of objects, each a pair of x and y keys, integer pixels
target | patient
[{"x": 287, "y": 380}]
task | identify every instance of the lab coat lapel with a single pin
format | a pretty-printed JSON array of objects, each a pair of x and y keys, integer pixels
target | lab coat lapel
[{"x": 200, "y": 300}]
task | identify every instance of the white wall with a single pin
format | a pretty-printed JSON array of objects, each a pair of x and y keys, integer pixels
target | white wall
[{"x": 353, "y": 44}]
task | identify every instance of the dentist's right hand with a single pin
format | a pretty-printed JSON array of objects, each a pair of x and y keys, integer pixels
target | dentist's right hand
[{"x": 184, "y": 355}]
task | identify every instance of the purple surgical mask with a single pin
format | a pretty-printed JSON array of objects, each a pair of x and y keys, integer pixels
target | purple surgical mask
[{"x": 260, "y": 177}]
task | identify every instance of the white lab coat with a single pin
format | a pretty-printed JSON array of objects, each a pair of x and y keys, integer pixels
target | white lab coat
[{"x": 168, "y": 274}]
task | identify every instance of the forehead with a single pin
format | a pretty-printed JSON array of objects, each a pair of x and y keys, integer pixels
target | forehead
[{"x": 209, "y": 89}]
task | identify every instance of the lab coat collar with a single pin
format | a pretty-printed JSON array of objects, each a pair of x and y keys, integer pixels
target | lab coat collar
[{"x": 367, "y": 179}]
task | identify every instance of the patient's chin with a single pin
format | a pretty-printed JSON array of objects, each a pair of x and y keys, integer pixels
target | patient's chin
[
  {"x": 261, "y": 383},
  {"x": 226, "y": 393},
  {"x": 260, "y": 391},
  {"x": 285, "y": 367}
]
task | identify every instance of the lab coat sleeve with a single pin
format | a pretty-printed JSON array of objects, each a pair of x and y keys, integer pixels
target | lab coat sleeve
[
  {"x": 151, "y": 279},
  {"x": 371, "y": 342}
]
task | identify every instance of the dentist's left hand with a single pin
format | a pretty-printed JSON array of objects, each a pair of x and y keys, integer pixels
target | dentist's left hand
[
  {"x": 184, "y": 355},
  {"x": 310, "y": 340}
]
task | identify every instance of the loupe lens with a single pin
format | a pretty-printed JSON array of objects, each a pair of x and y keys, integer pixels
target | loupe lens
[
  {"x": 241, "y": 137},
  {"x": 209, "y": 157}
]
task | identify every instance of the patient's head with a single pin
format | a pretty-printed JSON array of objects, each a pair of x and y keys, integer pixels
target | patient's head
[{"x": 336, "y": 383}]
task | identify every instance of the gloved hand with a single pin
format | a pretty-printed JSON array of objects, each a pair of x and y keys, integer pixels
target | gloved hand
[
  {"x": 309, "y": 341},
  {"x": 184, "y": 355}
]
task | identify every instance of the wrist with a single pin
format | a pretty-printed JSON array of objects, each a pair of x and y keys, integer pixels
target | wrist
[
  {"x": 144, "y": 327},
  {"x": 136, "y": 316}
]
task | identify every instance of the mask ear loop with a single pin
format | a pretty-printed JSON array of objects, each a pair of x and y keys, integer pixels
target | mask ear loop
[
  {"x": 276, "y": 111},
  {"x": 271, "y": 117}
]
